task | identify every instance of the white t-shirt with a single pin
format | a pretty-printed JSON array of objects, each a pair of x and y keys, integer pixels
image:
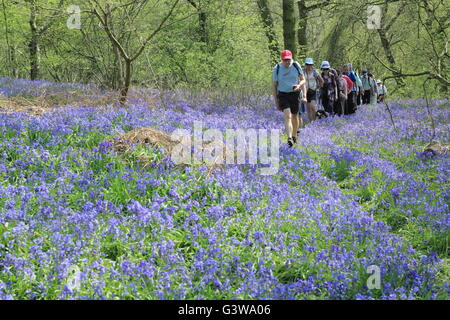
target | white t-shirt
[{"x": 311, "y": 82}]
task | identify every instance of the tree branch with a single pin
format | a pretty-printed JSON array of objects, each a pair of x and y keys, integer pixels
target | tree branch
[
  {"x": 111, "y": 36},
  {"x": 138, "y": 53},
  {"x": 431, "y": 75},
  {"x": 193, "y": 3},
  {"x": 318, "y": 5},
  {"x": 399, "y": 11}
]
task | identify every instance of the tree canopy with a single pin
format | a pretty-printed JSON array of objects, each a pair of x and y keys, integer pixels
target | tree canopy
[{"x": 223, "y": 45}]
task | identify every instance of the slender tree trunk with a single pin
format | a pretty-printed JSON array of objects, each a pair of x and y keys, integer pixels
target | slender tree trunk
[
  {"x": 127, "y": 81},
  {"x": 389, "y": 55},
  {"x": 117, "y": 77},
  {"x": 8, "y": 47},
  {"x": 15, "y": 72},
  {"x": 269, "y": 29},
  {"x": 303, "y": 12},
  {"x": 290, "y": 42},
  {"x": 34, "y": 43},
  {"x": 301, "y": 32},
  {"x": 202, "y": 21},
  {"x": 387, "y": 46}
]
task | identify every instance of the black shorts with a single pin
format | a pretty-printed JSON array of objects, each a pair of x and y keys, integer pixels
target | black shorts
[
  {"x": 311, "y": 95},
  {"x": 289, "y": 100}
]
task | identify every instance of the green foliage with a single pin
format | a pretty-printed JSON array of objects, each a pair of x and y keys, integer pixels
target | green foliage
[
  {"x": 338, "y": 170},
  {"x": 222, "y": 45}
]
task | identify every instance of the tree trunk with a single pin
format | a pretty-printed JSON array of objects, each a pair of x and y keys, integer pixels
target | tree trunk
[
  {"x": 117, "y": 77},
  {"x": 387, "y": 46},
  {"x": 269, "y": 29},
  {"x": 289, "y": 26},
  {"x": 8, "y": 46},
  {"x": 127, "y": 81},
  {"x": 202, "y": 21},
  {"x": 34, "y": 43},
  {"x": 301, "y": 32},
  {"x": 202, "y": 26},
  {"x": 15, "y": 73},
  {"x": 389, "y": 55}
]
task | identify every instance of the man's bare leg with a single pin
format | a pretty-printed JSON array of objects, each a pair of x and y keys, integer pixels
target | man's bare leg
[
  {"x": 288, "y": 122},
  {"x": 295, "y": 125}
]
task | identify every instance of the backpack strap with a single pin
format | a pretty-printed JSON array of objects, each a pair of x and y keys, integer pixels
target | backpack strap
[
  {"x": 315, "y": 74},
  {"x": 296, "y": 65}
]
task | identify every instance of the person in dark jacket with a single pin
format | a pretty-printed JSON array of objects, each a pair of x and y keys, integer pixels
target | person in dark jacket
[
  {"x": 351, "y": 107},
  {"x": 329, "y": 89}
]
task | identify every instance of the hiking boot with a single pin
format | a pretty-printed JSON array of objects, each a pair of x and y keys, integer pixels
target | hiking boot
[
  {"x": 290, "y": 142},
  {"x": 294, "y": 139}
]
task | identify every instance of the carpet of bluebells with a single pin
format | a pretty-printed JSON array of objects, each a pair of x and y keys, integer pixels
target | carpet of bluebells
[
  {"x": 24, "y": 87},
  {"x": 79, "y": 221}
]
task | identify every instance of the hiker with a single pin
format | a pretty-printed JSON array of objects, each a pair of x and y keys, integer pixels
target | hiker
[
  {"x": 351, "y": 97},
  {"x": 342, "y": 92},
  {"x": 329, "y": 88},
  {"x": 355, "y": 86},
  {"x": 313, "y": 82},
  {"x": 302, "y": 108},
  {"x": 336, "y": 104},
  {"x": 349, "y": 89},
  {"x": 373, "y": 89},
  {"x": 366, "y": 87},
  {"x": 288, "y": 82},
  {"x": 382, "y": 91},
  {"x": 359, "y": 90}
]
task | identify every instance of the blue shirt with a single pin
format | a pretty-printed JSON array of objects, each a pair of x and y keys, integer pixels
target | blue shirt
[
  {"x": 287, "y": 77},
  {"x": 358, "y": 80},
  {"x": 366, "y": 84},
  {"x": 352, "y": 77}
]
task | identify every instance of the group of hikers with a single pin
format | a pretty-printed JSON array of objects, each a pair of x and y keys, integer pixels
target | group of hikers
[{"x": 337, "y": 90}]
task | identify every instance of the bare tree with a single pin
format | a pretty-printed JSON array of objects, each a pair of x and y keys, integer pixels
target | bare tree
[{"x": 105, "y": 14}]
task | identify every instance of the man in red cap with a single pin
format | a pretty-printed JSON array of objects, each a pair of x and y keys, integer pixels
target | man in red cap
[{"x": 288, "y": 83}]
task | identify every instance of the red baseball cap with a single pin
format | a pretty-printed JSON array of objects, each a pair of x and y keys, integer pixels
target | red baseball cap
[{"x": 286, "y": 54}]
